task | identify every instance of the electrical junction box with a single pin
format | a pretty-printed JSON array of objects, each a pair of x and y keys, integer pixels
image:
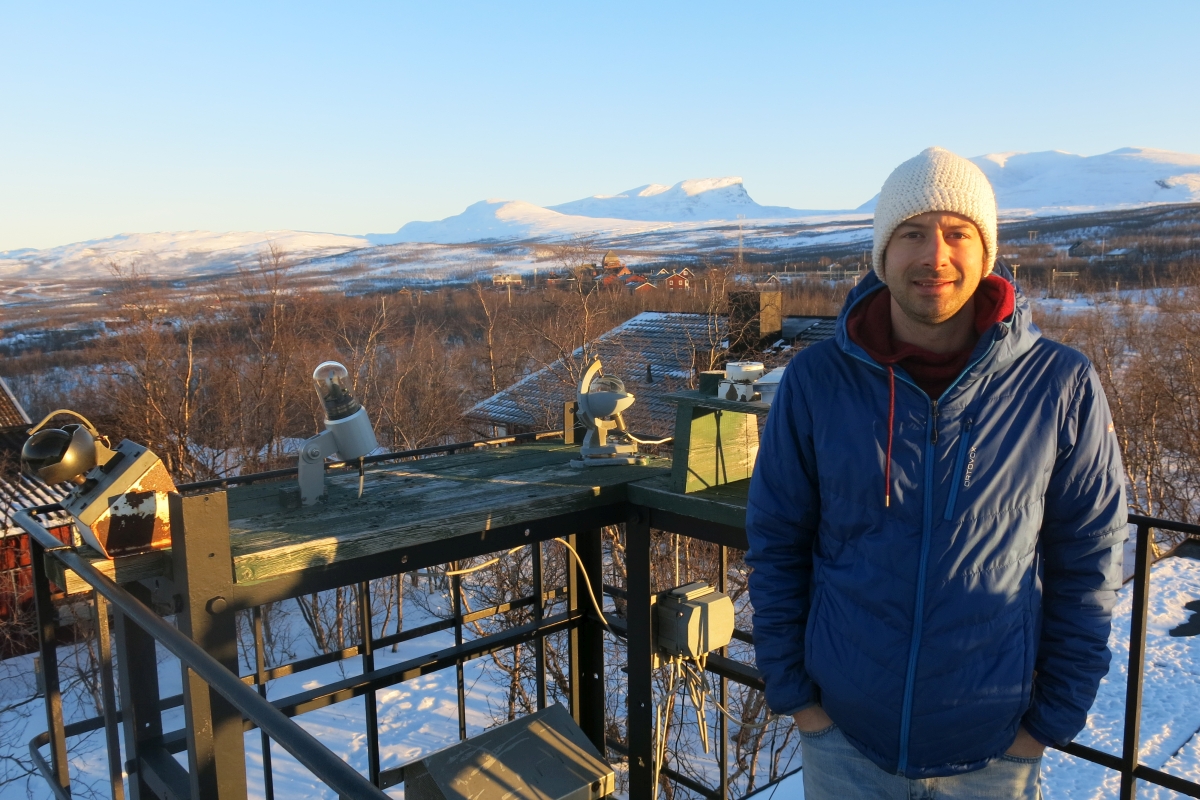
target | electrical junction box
[
  {"x": 693, "y": 620},
  {"x": 542, "y": 756}
]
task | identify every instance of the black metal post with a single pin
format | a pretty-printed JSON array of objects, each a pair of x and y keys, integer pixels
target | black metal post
[
  {"x": 574, "y": 684},
  {"x": 260, "y": 674},
  {"x": 112, "y": 736},
  {"x": 590, "y": 638},
  {"x": 137, "y": 678},
  {"x": 723, "y": 692},
  {"x": 203, "y": 567},
  {"x": 539, "y": 613},
  {"x": 456, "y": 599},
  {"x": 366, "y": 628},
  {"x": 47, "y": 628},
  {"x": 640, "y": 696},
  {"x": 1137, "y": 661}
]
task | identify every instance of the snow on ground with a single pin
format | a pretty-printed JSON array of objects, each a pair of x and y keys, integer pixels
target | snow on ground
[{"x": 420, "y": 716}]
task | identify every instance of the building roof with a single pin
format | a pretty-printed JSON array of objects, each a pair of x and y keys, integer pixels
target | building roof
[
  {"x": 655, "y": 354},
  {"x": 19, "y": 491},
  {"x": 11, "y": 413},
  {"x": 611, "y": 260}
]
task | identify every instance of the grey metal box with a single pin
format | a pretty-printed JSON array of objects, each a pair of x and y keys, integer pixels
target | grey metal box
[
  {"x": 542, "y": 756},
  {"x": 693, "y": 620}
]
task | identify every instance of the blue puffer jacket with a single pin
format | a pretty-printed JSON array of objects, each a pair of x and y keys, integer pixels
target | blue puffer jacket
[{"x": 919, "y": 626}]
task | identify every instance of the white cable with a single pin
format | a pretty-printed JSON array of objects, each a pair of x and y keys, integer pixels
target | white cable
[
  {"x": 588, "y": 582},
  {"x": 649, "y": 441},
  {"x": 699, "y": 675},
  {"x": 662, "y": 718},
  {"x": 478, "y": 567}
]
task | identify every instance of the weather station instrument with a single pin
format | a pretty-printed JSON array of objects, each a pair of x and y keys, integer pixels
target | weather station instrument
[
  {"x": 348, "y": 432},
  {"x": 119, "y": 498},
  {"x": 601, "y": 400}
]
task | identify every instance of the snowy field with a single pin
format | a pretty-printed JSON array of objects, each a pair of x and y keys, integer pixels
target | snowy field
[{"x": 420, "y": 716}]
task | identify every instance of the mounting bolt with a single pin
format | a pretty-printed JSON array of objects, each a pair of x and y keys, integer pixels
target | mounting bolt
[
  {"x": 131, "y": 766},
  {"x": 403, "y": 559},
  {"x": 217, "y": 605},
  {"x": 527, "y": 531},
  {"x": 634, "y": 516}
]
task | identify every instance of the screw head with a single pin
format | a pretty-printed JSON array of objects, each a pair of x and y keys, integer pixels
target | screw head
[
  {"x": 217, "y": 605},
  {"x": 403, "y": 559},
  {"x": 527, "y": 531}
]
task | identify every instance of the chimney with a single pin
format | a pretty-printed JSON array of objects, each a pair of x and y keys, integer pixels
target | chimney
[{"x": 755, "y": 320}]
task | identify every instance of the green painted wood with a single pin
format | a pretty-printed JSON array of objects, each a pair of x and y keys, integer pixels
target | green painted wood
[
  {"x": 712, "y": 447},
  {"x": 694, "y": 398},
  {"x": 125, "y": 569},
  {"x": 409, "y": 504},
  {"x": 724, "y": 504}
]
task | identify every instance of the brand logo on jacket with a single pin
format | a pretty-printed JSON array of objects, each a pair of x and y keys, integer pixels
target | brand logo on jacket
[{"x": 970, "y": 468}]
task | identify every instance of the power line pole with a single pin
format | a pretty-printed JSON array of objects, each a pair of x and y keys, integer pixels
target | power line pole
[{"x": 740, "y": 217}]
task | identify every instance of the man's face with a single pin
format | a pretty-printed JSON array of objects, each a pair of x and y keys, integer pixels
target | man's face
[{"x": 933, "y": 264}]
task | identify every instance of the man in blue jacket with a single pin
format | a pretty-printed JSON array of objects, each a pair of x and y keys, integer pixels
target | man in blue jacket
[{"x": 936, "y": 518}]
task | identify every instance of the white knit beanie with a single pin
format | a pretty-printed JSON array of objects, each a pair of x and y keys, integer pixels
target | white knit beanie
[{"x": 935, "y": 180}]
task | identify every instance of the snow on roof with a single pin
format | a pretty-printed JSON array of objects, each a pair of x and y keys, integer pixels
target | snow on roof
[
  {"x": 655, "y": 353},
  {"x": 667, "y": 343}
]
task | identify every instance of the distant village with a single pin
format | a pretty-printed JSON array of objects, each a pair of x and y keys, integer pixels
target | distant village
[{"x": 612, "y": 273}]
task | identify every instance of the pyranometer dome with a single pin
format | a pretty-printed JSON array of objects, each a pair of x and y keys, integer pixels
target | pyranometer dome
[{"x": 330, "y": 380}]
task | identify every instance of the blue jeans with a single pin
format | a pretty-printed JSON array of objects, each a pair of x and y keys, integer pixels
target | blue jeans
[{"x": 835, "y": 770}]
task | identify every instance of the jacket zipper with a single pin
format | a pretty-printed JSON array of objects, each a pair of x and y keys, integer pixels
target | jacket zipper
[
  {"x": 914, "y": 647},
  {"x": 926, "y": 534},
  {"x": 957, "y": 476}
]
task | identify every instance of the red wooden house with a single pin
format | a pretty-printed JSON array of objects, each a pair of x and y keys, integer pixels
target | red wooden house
[{"x": 17, "y": 492}]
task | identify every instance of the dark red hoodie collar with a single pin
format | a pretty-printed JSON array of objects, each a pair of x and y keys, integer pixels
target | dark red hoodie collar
[{"x": 869, "y": 325}]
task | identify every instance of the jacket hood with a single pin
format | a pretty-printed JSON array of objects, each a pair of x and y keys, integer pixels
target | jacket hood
[{"x": 1003, "y": 344}]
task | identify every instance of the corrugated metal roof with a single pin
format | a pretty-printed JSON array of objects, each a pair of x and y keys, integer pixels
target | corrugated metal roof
[
  {"x": 23, "y": 493},
  {"x": 18, "y": 491},
  {"x": 654, "y": 353},
  {"x": 11, "y": 413}
]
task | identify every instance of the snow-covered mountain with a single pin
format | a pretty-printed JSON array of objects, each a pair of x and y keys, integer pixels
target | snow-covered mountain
[
  {"x": 1054, "y": 181},
  {"x": 698, "y": 199},
  {"x": 172, "y": 253},
  {"x": 650, "y": 207},
  {"x": 508, "y": 219},
  {"x": 1027, "y": 184}
]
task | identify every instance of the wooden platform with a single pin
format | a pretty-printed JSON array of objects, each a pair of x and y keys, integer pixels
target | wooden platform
[{"x": 416, "y": 502}]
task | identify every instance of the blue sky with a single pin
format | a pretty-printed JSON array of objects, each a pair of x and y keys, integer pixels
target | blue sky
[{"x": 358, "y": 117}]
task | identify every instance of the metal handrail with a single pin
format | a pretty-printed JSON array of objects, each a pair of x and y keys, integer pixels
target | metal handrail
[
  {"x": 306, "y": 749},
  {"x": 349, "y": 782}
]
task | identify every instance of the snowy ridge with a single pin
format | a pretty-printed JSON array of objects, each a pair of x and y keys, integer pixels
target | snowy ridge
[
  {"x": 1053, "y": 181},
  {"x": 168, "y": 253},
  {"x": 697, "y": 199},
  {"x": 685, "y": 215},
  {"x": 493, "y": 220}
]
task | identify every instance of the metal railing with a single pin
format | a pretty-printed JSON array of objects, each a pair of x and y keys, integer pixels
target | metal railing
[
  {"x": 303, "y": 746},
  {"x": 158, "y": 774},
  {"x": 1128, "y": 763}
]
